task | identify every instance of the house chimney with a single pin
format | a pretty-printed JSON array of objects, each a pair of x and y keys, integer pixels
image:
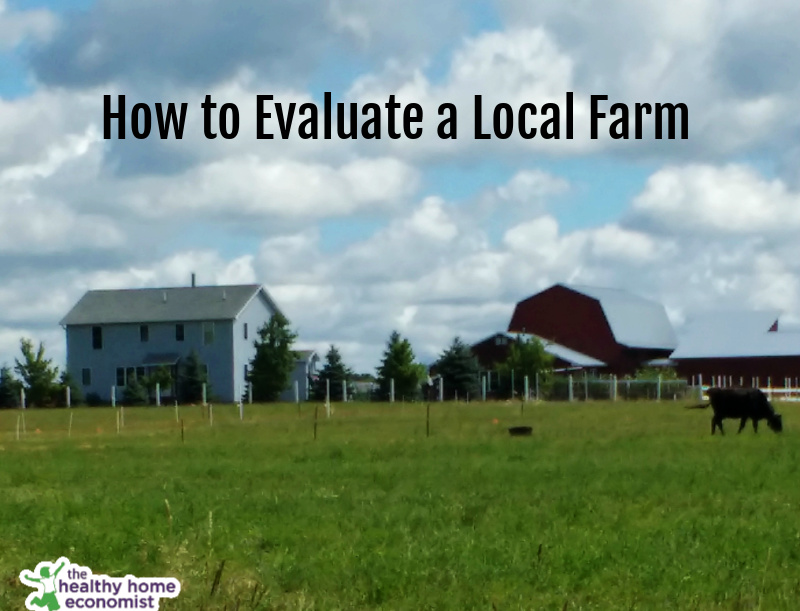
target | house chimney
[{"x": 194, "y": 284}]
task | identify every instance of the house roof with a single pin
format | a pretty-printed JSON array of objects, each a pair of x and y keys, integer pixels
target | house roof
[
  {"x": 494, "y": 336},
  {"x": 735, "y": 334},
  {"x": 636, "y": 322},
  {"x": 163, "y": 304}
]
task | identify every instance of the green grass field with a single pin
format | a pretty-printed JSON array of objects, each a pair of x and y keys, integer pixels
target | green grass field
[{"x": 606, "y": 506}]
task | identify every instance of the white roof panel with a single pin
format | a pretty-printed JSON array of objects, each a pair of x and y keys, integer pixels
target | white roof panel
[
  {"x": 636, "y": 322},
  {"x": 735, "y": 334},
  {"x": 573, "y": 357}
]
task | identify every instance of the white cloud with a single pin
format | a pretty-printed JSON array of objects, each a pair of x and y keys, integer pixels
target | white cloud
[
  {"x": 17, "y": 26},
  {"x": 515, "y": 67},
  {"x": 732, "y": 199},
  {"x": 247, "y": 187}
]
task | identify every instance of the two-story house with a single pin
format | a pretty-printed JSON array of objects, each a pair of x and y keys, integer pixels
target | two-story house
[{"x": 114, "y": 336}]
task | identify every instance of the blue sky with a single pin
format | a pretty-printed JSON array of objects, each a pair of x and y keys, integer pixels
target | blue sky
[{"x": 432, "y": 238}]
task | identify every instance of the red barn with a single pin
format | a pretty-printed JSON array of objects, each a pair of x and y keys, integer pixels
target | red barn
[
  {"x": 619, "y": 330},
  {"x": 738, "y": 346},
  {"x": 495, "y": 349},
  {"x": 492, "y": 350}
]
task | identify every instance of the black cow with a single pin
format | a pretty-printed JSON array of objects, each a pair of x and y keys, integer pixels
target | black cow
[{"x": 742, "y": 403}]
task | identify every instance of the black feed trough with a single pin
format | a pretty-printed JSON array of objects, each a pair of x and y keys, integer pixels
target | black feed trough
[{"x": 520, "y": 431}]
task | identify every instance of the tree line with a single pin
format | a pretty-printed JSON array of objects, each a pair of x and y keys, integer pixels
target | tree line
[
  {"x": 272, "y": 366},
  {"x": 44, "y": 385}
]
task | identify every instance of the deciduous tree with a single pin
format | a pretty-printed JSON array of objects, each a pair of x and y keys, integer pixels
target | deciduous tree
[
  {"x": 526, "y": 357},
  {"x": 37, "y": 374}
]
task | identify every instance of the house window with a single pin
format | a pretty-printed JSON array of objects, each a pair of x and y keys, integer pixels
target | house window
[
  {"x": 97, "y": 338},
  {"x": 208, "y": 333},
  {"x": 179, "y": 332},
  {"x": 86, "y": 376},
  {"x": 120, "y": 376},
  {"x": 245, "y": 330},
  {"x": 144, "y": 333}
]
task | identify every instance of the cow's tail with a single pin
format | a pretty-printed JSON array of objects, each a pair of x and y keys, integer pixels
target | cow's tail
[{"x": 699, "y": 406}]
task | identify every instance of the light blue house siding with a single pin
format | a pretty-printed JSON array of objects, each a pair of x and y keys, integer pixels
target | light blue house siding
[
  {"x": 123, "y": 348},
  {"x": 138, "y": 329},
  {"x": 305, "y": 367}
]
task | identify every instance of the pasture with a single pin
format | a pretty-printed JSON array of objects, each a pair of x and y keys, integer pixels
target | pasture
[{"x": 605, "y": 506}]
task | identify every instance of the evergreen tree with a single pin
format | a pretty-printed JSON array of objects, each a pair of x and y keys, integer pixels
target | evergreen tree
[
  {"x": 271, "y": 368},
  {"x": 9, "y": 388},
  {"x": 337, "y": 372},
  {"x": 459, "y": 369},
  {"x": 526, "y": 357},
  {"x": 37, "y": 374},
  {"x": 398, "y": 365},
  {"x": 191, "y": 379},
  {"x": 135, "y": 393}
]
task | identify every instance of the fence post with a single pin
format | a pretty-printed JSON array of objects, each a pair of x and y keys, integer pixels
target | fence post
[
  {"x": 158, "y": 394},
  {"x": 527, "y": 389},
  {"x": 483, "y": 388},
  {"x": 344, "y": 391},
  {"x": 391, "y": 390},
  {"x": 250, "y": 393},
  {"x": 328, "y": 398},
  {"x": 537, "y": 385},
  {"x": 69, "y": 396},
  {"x": 22, "y": 398},
  {"x": 113, "y": 396},
  {"x": 441, "y": 388},
  {"x": 658, "y": 388},
  {"x": 585, "y": 385},
  {"x": 571, "y": 397}
]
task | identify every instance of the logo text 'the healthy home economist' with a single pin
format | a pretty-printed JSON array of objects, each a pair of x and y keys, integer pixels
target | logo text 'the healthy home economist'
[{"x": 62, "y": 585}]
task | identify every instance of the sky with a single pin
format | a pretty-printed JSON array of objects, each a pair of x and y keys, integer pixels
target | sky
[{"x": 433, "y": 238}]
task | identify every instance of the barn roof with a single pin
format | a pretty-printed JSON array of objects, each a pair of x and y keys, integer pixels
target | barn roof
[
  {"x": 636, "y": 322},
  {"x": 573, "y": 357},
  {"x": 735, "y": 334},
  {"x": 163, "y": 304}
]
